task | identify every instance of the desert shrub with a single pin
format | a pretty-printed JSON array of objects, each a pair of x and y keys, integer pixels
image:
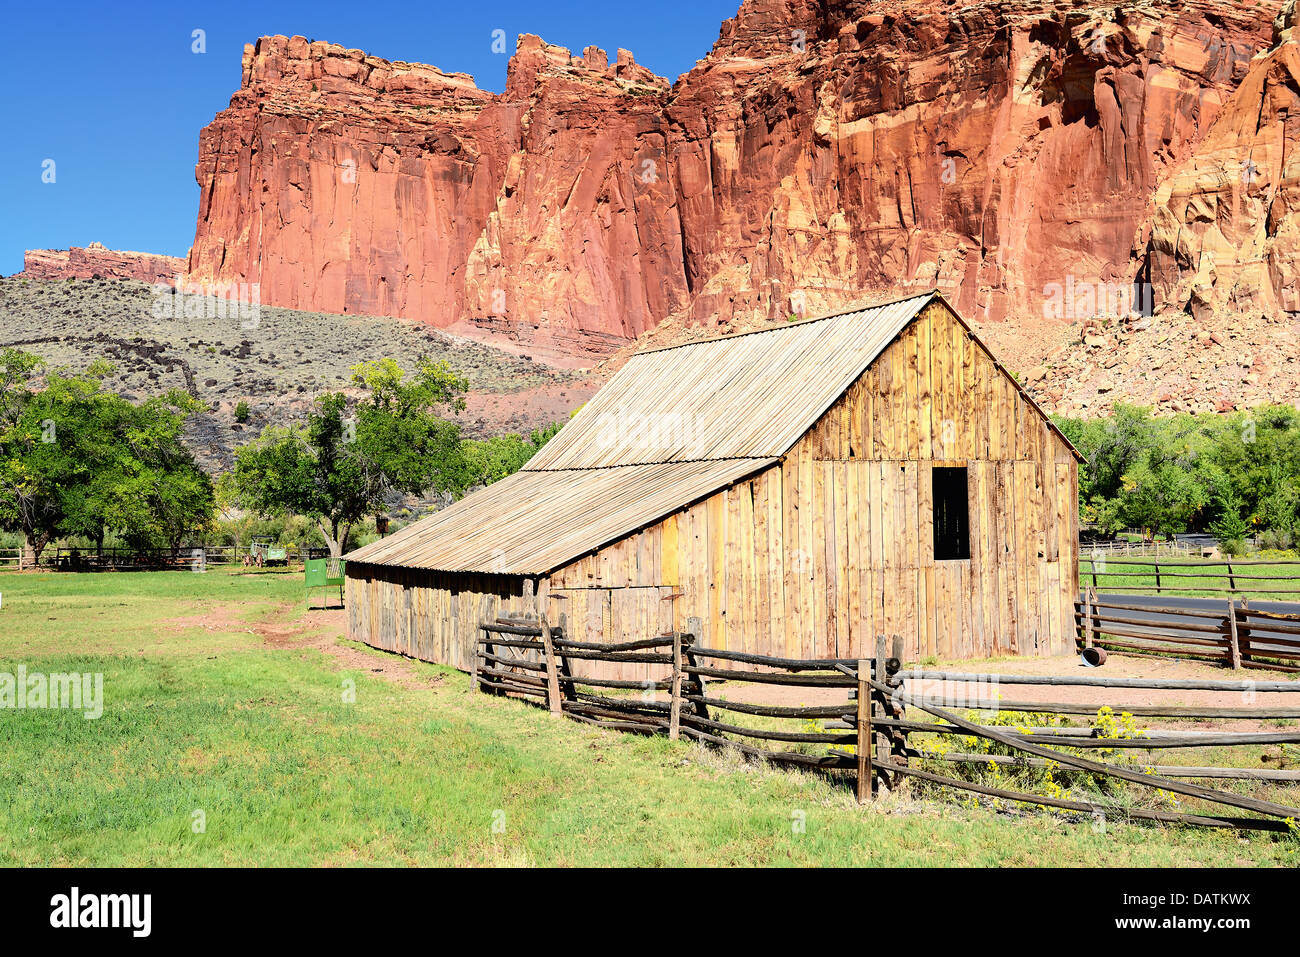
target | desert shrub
[{"x": 1275, "y": 539}]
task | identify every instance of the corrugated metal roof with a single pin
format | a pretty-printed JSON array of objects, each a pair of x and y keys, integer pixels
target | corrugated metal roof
[
  {"x": 749, "y": 395},
  {"x": 530, "y": 523}
]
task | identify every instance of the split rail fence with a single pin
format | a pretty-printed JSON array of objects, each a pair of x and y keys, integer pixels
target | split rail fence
[
  {"x": 1229, "y": 576},
  {"x": 1236, "y": 635},
  {"x": 874, "y": 736}
]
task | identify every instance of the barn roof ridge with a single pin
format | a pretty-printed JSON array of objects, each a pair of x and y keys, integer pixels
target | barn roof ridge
[
  {"x": 629, "y": 465},
  {"x": 857, "y": 305}
]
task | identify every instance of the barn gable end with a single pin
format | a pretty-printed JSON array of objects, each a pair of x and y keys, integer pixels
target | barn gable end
[{"x": 817, "y": 554}]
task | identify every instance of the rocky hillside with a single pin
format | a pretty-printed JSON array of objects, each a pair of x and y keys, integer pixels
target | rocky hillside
[{"x": 277, "y": 360}]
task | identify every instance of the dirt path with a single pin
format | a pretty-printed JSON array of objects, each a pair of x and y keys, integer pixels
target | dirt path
[{"x": 320, "y": 629}]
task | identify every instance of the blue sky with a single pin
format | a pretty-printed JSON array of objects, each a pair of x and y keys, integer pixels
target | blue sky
[{"x": 113, "y": 94}]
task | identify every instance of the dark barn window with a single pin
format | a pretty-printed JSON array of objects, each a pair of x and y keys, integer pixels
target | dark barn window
[{"x": 951, "y": 520}]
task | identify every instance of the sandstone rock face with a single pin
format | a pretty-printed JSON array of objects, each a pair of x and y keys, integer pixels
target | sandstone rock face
[
  {"x": 347, "y": 183},
  {"x": 95, "y": 261},
  {"x": 1225, "y": 236},
  {"x": 822, "y": 150}
]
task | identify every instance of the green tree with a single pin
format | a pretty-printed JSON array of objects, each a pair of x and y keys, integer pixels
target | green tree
[
  {"x": 1175, "y": 473},
  {"x": 76, "y": 459},
  {"x": 1230, "y": 528},
  {"x": 489, "y": 460},
  {"x": 352, "y": 455}
]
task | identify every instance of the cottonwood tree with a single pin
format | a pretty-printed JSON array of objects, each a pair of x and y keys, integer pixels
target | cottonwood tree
[
  {"x": 354, "y": 453},
  {"x": 76, "y": 459}
]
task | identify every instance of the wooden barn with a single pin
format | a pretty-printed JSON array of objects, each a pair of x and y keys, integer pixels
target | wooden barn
[{"x": 799, "y": 489}]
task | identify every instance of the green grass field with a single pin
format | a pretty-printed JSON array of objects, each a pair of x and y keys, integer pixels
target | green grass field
[
  {"x": 254, "y": 733},
  {"x": 1192, "y": 578}
]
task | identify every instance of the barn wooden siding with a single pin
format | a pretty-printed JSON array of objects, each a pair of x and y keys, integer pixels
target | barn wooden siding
[
  {"x": 434, "y": 616},
  {"x": 814, "y": 557},
  {"x": 426, "y": 614}
]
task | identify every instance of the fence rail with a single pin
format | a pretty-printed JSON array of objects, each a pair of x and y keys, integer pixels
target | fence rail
[
  {"x": 876, "y": 734},
  {"x": 1238, "y": 636}
]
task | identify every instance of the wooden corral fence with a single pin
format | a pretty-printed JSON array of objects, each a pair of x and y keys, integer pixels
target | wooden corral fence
[
  {"x": 1140, "y": 548},
  {"x": 1228, "y": 576},
  {"x": 873, "y": 735},
  {"x": 64, "y": 558},
  {"x": 1235, "y": 635}
]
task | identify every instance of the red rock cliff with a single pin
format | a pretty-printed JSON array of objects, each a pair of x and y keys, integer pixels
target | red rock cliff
[
  {"x": 96, "y": 260},
  {"x": 820, "y": 150}
]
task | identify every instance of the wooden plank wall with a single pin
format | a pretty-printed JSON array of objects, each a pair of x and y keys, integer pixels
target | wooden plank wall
[
  {"x": 817, "y": 555},
  {"x": 428, "y": 615}
]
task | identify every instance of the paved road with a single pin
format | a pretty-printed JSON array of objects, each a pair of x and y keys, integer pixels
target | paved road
[{"x": 1164, "y": 621}]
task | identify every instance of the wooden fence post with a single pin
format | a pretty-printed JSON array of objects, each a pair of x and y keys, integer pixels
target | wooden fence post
[
  {"x": 552, "y": 671},
  {"x": 1157, "y": 565},
  {"x": 882, "y": 738},
  {"x": 1244, "y": 632},
  {"x": 566, "y": 673},
  {"x": 1232, "y": 579},
  {"x": 894, "y": 708},
  {"x": 866, "y": 774},
  {"x": 1087, "y": 618},
  {"x": 675, "y": 708},
  {"x": 485, "y": 615},
  {"x": 1232, "y": 635}
]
